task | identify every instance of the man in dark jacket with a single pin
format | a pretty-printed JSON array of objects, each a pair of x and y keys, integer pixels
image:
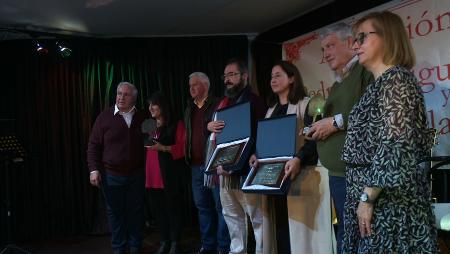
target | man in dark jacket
[
  {"x": 115, "y": 158},
  {"x": 214, "y": 232}
]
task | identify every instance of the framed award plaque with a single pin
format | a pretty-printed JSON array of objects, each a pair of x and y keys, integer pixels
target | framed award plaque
[
  {"x": 227, "y": 155},
  {"x": 268, "y": 177},
  {"x": 233, "y": 143},
  {"x": 269, "y": 174},
  {"x": 275, "y": 145}
]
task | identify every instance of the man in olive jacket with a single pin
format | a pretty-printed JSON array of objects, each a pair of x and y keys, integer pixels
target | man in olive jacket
[{"x": 351, "y": 82}]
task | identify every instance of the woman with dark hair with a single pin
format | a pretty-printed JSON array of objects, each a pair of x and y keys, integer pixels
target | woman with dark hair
[
  {"x": 299, "y": 222},
  {"x": 163, "y": 179},
  {"x": 388, "y": 203},
  {"x": 293, "y": 89}
]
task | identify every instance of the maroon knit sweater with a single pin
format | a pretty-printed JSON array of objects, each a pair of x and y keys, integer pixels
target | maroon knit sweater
[{"x": 113, "y": 146}]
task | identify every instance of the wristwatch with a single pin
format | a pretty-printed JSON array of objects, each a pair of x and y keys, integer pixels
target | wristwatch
[
  {"x": 365, "y": 198},
  {"x": 335, "y": 124}
]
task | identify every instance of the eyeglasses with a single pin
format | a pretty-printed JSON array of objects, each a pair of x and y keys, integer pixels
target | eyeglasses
[
  {"x": 361, "y": 37},
  {"x": 230, "y": 75}
]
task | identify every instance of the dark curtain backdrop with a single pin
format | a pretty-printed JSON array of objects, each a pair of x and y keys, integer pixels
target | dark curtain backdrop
[
  {"x": 55, "y": 101},
  {"x": 265, "y": 55}
]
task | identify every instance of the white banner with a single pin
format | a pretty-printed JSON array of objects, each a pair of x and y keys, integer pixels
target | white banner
[{"x": 428, "y": 26}]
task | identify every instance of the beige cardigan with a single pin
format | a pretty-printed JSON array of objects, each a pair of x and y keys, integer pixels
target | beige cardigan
[{"x": 308, "y": 203}]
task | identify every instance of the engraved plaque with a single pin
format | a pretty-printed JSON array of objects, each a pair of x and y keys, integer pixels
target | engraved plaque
[
  {"x": 228, "y": 155},
  {"x": 269, "y": 174},
  {"x": 275, "y": 146}
]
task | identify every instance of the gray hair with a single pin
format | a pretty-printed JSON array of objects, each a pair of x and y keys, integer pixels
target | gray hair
[
  {"x": 341, "y": 29},
  {"x": 125, "y": 83},
  {"x": 200, "y": 75}
]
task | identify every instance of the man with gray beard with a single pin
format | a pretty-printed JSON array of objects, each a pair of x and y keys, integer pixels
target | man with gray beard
[{"x": 236, "y": 205}]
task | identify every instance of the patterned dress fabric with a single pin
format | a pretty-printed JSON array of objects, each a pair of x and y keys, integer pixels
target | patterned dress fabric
[{"x": 387, "y": 135}]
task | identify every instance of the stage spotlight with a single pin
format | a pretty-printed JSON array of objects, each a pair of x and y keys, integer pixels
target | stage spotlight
[
  {"x": 41, "y": 49},
  {"x": 63, "y": 51}
]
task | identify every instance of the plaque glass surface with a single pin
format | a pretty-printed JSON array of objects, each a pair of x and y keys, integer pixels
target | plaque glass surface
[
  {"x": 232, "y": 144},
  {"x": 269, "y": 174},
  {"x": 227, "y": 155}
]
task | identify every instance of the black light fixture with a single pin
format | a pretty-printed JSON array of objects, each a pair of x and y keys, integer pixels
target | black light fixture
[
  {"x": 41, "y": 49},
  {"x": 63, "y": 50}
]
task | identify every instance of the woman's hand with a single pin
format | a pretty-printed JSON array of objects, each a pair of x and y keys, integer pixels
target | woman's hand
[
  {"x": 158, "y": 147},
  {"x": 365, "y": 213},
  {"x": 215, "y": 126},
  {"x": 253, "y": 161},
  {"x": 292, "y": 168}
]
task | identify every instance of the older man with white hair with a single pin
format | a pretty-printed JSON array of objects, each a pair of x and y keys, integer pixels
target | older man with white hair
[
  {"x": 213, "y": 229},
  {"x": 116, "y": 159}
]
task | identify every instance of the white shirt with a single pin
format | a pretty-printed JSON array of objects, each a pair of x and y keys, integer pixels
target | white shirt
[{"x": 127, "y": 116}]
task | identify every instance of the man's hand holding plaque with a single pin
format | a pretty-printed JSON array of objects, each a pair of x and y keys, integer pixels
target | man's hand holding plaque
[
  {"x": 221, "y": 171},
  {"x": 215, "y": 126}
]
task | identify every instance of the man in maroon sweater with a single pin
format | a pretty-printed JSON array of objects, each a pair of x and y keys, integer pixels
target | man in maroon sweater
[
  {"x": 116, "y": 162},
  {"x": 213, "y": 229}
]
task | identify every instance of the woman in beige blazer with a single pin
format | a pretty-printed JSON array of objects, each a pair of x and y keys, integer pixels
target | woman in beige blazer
[{"x": 301, "y": 221}]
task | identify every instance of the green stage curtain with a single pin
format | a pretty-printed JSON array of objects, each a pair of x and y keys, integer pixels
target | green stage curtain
[{"x": 55, "y": 101}]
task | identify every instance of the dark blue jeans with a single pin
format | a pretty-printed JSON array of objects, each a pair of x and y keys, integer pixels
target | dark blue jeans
[
  {"x": 124, "y": 197},
  {"x": 337, "y": 189},
  {"x": 213, "y": 229}
]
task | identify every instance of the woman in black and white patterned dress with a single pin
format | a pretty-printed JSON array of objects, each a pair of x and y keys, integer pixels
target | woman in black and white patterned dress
[{"x": 388, "y": 204}]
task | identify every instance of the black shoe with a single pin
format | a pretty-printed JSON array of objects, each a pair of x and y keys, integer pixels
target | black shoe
[
  {"x": 135, "y": 250},
  {"x": 163, "y": 249},
  {"x": 174, "y": 249},
  {"x": 206, "y": 251}
]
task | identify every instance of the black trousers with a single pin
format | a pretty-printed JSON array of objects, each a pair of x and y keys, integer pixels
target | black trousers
[{"x": 165, "y": 206}]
